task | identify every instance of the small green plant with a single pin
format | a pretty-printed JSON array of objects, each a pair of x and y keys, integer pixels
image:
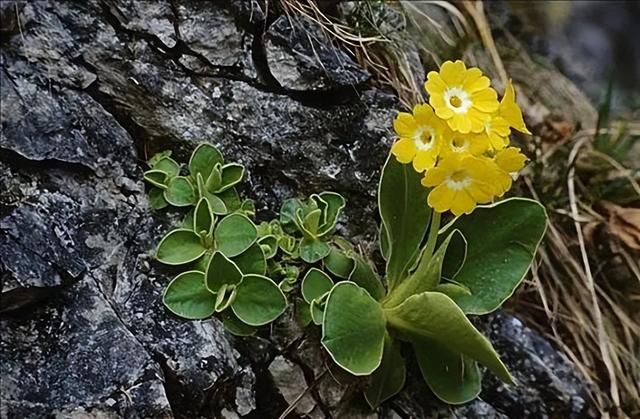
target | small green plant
[{"x": 434, "y": 276}]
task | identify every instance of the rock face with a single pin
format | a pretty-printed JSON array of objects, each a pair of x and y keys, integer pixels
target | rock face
[{"x": 92, "y": 89}]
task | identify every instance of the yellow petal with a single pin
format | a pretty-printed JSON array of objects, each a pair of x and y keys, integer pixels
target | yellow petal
[
  {"x": 462, "y": 203},
  {"x": 476, "y": 81},
  {"x": 510, "y": 110},
  {"x": 441, "y": 198},
  {"x": 485, "y": 100},
  {"x": 404, "y": 125},
  {"x": 453, "y": 73},
  {"x": 423, "y": 114},
  {"x": 404, "y": 150},
  {"x": 460, "y": 122},
  {"x": 424, "y": 160},
  {"x": 434, "y": 84},
  {"x": 434, "y": 177},
  {"x": 510, "y": 159}
]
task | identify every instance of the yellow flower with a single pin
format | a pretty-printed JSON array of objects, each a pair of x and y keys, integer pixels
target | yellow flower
[
  {"x": 508, "y": 161},
  {"x": 460, "y": 183},
  {"x": 420, "y": 137},
  {"x": 456, "y": 143},
  {"x": 461, "y": 96},
  {"x": 510, "y": 111},
  {"x": 496, "y": 131}
]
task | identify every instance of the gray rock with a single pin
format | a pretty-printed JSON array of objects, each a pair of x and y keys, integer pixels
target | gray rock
[{"x": 90, "y": 91}]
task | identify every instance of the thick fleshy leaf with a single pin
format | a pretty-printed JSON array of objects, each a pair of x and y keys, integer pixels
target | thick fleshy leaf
[
  {"x": 455, "y": 257},
  {"x": 365, "y": 276},
  {"x": 258, "y": 301},
  {"x": 221, "y": 271},
  {"x": 335, "y": 203},
  {"x": 502, "y": 241},
  {"x": 402, "y": 202},
  {"x": 453, "y": 377},
  {"x": 202, "y": 217},
  {"x": 203, "y": 159},
  {"x": 453, "y": 290},
  {"x": 288, "y": 214},
  {"x": 187, "y": 296},
  {"x": 157, "y": 178},
  {"x": 214, "y": 181},
  {"x": 180, "y": 192},
  {"x": 169, "y": 166},
  {"x": 313, "y": 250},
  {"x": 225, "y": 296},
  {"x": 353, "y": 329},
  {"x": 388, "y": 379},
  {"x": 234, "y": 234},
  {"x": 180, "y": 246},
  {"x": 269, "y": 245},
  {"x": 383, "y": 237},
  {"x": 157, "y": 157},
  {"x": 251, "y": 261},
  {"x": 235, "y": 326},
  {"x": 156, "y": 198},
  {"x": 232, "y": 174},
  {"x": 231, "y": 199},
  {"x": 434, "y": 315},
  {"x": 338, "y": 263},
  {"x": 316, "y": 309},
  {"x": 302, "y": 312},
  {"x": 315, "y": 284},
  {"x": 311, "y": 222},
  {"x": 426, "y": 276}
]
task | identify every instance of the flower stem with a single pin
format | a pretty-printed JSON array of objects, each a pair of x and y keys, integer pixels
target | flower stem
[{"x": 433, "y": 234}]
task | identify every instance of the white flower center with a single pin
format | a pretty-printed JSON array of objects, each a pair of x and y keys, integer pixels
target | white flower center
[
  {"x": 459, "y": 145},
  {"x": 457, "y": 100},
  {"x": 458, "y": 180},
  {"x": 424, "y": 138}
]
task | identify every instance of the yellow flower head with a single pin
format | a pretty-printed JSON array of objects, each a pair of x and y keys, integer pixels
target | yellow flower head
[
  {"x": 456, "y": 143},
  {"x": 420, "y": 137},
  {"x": 508, "y": 161},
  {"x": 460, "y": 183},
  {"x": 461, "y": 96},
  {"x": 510, "y": 111},
  {"x": 496, "y": 131}
]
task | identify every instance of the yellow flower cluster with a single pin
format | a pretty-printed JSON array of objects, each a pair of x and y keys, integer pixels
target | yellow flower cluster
[{"x": 460, "y": 140}]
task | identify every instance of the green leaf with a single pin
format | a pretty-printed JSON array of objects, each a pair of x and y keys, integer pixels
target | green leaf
[
  {"x": 251, "y": 261},
  {"x": 232, "y": 174},
  {"x": 221, "y": 271},
  {"x": 316, "y": 309},
  {"x": 169, "y": 166},
  {"x": 157, "y": 178},
  {"x": 335, "y": 203},
  {"x": 203, "y": 159},
  {"x": 365, "y": 276},
  {"x": 453, "y": 377},
  {"x": 388, "y": 379},
  {"x": 288, "y": 214},
  {"x": 315, "y": 284},
  {"x": 312, "y": 250},
  {"x": 452, "y": 290},
  {"x": 157, "y": 157},
  {"x": 402, "y": 202},
  {"x": 269, "y": 245},
  {"x": 235, "y": 326},
  {"x": 156, "y": 198},
  {"x": 289, "y": 245},
  {"x": 248, "y": 207},
  {"x": 231, "y": 199},
  {"x": 353, "y": 329},
  {"x": 214, "y": 181},
  {"x": 311, "y": 222},
  {"x": 338, "y": 263},
  {"x": 434, "y": 315},
  {"x": 187, "y": 296},
  {"x": 426, "y": 277},
  {"x": 302, "y": 312},
  {"x": 383, "y": 238},
  {"x": 455, "y": 257},
  {"x": 203, "y": 217},
  {"x": 180, "y": 192},
  {"x": 225, "y": 296},
  {"x": 234, "y": 234},
  {"x": 259, "y": 300},
  {"x": 179, "y": 246},
  {"x": 502, "y": 241}
]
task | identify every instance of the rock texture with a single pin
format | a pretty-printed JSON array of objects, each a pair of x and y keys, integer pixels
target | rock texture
[{"x": 90, "y": 90}]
